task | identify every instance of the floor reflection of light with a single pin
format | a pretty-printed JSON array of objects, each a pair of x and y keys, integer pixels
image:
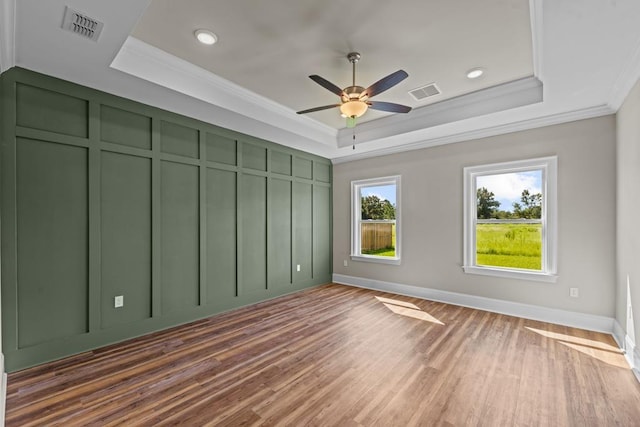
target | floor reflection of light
[
  {"x": 408, "y": 309},
  {"x": 604, "y": 352},
  {"x": 398, "y": 302}
]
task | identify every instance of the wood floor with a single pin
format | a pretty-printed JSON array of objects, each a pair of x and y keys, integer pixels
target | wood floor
[{"x": 339, "y": 356}]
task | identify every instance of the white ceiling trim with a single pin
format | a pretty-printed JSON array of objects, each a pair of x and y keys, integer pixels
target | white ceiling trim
[
  {"x": 537, "y": 25},
  {"x": 7, "y": 34},
  {"x": 502, "y": 97},
  {"x": 476, "y": 115},
  {"x": 155, "y": 65},
  {"x": 626, "y": 80},
  {"x": 501, "y": 129}
]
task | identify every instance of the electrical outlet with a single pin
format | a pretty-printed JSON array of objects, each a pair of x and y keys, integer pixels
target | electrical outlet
[
  {"x": 118, "y": 301},
  {"x": 345, "y": 263},
  {"x": 573, "y": 292},
  {"x": 298, "y": 267}
]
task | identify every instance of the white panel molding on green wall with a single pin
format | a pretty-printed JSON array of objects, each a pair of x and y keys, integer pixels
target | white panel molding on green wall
[{"x": 528, "y": 311}]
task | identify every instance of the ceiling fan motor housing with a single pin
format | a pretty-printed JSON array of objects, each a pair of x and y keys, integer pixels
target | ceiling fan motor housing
[
  {"x": 353, "y": 57},
  {"x": 352, "y": 93}
]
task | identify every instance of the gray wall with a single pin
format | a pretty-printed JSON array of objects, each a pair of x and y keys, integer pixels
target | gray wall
[
  {"x": 432, "y": 215},
  {"x": 628, "y": 220}
]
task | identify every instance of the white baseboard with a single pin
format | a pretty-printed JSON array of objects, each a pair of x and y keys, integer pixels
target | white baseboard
[
  {"x": 631, "y": 351},
  {"x": 561, "y": 317},
  {"x": 3, "y": 390},
  {"x": 618, "y": 334}
]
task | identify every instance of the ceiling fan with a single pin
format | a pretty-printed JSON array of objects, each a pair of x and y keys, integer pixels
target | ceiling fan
[{"x": 354, "y": 100}]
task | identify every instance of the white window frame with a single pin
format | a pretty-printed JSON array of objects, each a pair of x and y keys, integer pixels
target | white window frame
[
  {"x": 356, "y": 218},
  {"x": 549, "y": 217}
]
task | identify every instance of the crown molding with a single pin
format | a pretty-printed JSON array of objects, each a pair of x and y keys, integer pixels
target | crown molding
[
  {"x": 157, "y": 66},
  {"x": 626, "y": 80},
  {"x": 7, "y": 34},
  {"x": 502, "y": 97},
  {"x": 501, "y": 129},
  {"x": 537, "y": 30}
]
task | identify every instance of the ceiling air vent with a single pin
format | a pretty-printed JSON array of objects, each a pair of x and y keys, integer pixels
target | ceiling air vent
[
  {"x": 81, "y": 24},
  {"x": 424, "y": 92}
]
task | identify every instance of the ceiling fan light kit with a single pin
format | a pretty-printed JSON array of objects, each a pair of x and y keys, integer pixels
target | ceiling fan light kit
[
  {"x": 354, "y": 100},
  {"x": 354, "y": 108}
]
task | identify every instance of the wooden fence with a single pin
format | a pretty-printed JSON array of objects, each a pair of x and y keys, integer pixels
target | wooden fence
[{"x": 376, "y": 235}]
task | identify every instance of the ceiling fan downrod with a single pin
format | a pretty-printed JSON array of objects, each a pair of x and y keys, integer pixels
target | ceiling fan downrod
[{"x": 354, "y": 57}]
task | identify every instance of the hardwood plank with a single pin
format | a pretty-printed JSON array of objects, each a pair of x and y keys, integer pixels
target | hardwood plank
[{"x": 337, "y": 355}]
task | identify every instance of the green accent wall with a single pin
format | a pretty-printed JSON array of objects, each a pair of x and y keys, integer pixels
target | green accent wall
[{"x": 102, "y": 196}]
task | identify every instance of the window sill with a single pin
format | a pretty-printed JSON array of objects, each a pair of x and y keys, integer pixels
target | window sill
[
  {"x": 511, "y": 274},
  {"x": 376, "y": 259}
]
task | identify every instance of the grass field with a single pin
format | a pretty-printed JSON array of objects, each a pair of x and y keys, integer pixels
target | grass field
[
  {"x": 381, "y": 252},
  {"x": 509, "y": 245}
]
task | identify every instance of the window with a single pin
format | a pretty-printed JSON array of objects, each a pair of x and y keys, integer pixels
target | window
[
  {"x": 375, "y": 213},
  {"x": 510, "y": 219}
]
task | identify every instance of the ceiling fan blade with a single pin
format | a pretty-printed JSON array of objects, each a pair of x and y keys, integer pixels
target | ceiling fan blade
[
  {"x": 385, "y": 83},
  {"x": 389, "y": 106},
  {"x": 327, "y": 85},
  {"x": 324, "y": 107}
]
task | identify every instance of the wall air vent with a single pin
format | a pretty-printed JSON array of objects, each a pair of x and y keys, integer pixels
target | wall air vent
[
  {"x": 81, "y": 24},
  {"x": 424, "y": 92}
]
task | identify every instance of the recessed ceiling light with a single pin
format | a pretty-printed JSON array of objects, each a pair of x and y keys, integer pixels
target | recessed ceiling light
[
  {"x": 475, "y": 73},
  {"x": 206, "y": 37}
]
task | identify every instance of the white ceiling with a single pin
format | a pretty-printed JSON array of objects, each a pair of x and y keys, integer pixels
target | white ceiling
[
  {"x": 271, "y": 48},
  {"x": 585, "y": 55}
]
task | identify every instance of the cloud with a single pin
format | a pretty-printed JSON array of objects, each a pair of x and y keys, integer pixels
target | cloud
[
  {"x": 379, "y": 196},
  {"x": 383, "y": 192},
  {"x": 508, "y": 187}
]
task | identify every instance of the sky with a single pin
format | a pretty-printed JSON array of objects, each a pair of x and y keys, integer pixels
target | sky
[
  {"x": 508, "y": 187},
  {"x": 384, "y": 192}
]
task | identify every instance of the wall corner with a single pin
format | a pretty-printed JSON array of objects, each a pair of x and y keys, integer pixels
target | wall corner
[
  {"x": 3, "y": 390},
  {"x": 7, "y": 34}
]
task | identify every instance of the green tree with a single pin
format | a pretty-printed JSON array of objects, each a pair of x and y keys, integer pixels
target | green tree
[
  {"x": 503, "y": 215},
  {"x": 486, "y": 203},
  {"x": 389, "y": 210},
  {"x": 374, "y": 208},
  {"x": 530, "y": 206}
]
